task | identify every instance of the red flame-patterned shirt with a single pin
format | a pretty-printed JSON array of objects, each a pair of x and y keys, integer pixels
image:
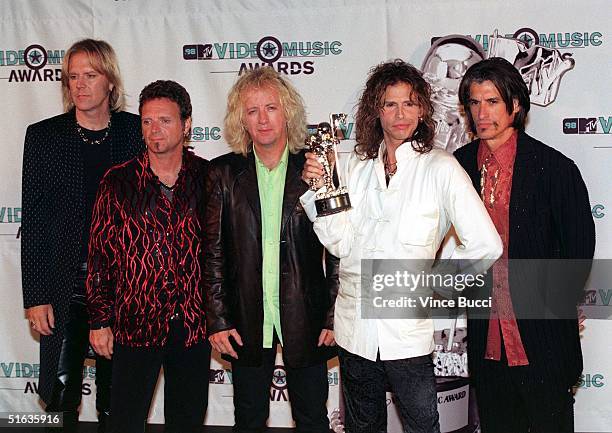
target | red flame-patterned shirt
[{"x": 145, "y": 253}]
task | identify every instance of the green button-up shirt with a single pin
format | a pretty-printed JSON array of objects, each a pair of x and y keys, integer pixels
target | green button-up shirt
[{"x": 271, "y": 184}]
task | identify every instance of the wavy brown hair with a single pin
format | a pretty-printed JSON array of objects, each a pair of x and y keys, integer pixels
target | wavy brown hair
[
  {"x": 369, "y": 132},
  {"x": 103, "y": 59},
  {"x": 234, "y": 131}
]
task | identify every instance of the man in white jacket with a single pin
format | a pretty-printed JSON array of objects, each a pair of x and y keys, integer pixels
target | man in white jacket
[{"x": 405, "y": 195}]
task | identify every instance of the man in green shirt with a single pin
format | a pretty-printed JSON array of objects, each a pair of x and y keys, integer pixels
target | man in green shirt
[{"x": 268, "y": 280}]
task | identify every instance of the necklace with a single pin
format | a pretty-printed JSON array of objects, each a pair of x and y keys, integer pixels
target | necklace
[
  {"x": 495, "y": 178},
  {"x": 90, "y": 141},
  {"x": 390, "y": 167}
]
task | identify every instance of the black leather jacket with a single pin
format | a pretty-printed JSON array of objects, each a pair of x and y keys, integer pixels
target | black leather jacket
[{"x": 233, "y": 263}]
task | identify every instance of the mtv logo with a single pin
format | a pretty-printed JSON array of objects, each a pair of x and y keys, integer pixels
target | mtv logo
[
  {"x": 197, "y": 51},
  {"x": 205, "y": 51},
  {"x": 587, "y": 125},
  {"x": 216, "y": 376},
  {"x": 590, "y": 297},
  {"x": 339, "y": 125}
]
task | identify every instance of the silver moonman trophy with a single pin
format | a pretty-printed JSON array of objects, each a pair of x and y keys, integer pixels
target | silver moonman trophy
[{"x": 324, "y": 144}]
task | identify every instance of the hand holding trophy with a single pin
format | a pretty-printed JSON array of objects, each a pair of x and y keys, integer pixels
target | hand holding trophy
[{"x": 324, "y": 145}]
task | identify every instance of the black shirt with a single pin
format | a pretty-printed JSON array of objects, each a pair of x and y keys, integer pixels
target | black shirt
[{"x": 96, "y": 162}]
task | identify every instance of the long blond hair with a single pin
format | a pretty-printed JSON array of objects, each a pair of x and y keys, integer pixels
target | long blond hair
[{"x": 264, "y": 77}]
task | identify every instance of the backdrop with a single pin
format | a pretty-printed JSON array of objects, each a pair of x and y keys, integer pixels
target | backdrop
[{"x": 326, "y": 48}]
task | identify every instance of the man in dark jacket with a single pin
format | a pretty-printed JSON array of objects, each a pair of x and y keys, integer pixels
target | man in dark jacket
[
  {"x": 522, "y": 366},
  {"x": 64, "y": 159},
  {"x": 264, "y": 272}
]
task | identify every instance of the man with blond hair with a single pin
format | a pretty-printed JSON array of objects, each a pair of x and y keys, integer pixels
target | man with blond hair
[
  {"x": 267, "y": 278},
  {"x": 64, "y": 159}
]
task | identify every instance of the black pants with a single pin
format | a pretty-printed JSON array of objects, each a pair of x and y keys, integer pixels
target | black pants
[
  {"x": 307, "y": 387},
  {"x": 66, "y": 396},
  {"x": 186, "y": 374},
  {"x": 520, "y": 400},
  {"x": 364, "y": 385}
]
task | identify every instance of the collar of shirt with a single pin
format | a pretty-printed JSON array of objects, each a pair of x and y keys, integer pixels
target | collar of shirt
[
  {"x": 282, "y": 163},
  {"x": 504, "y": 155},
  {"x": 403, "y": 153},
  {"x": 147, "y": 172}
]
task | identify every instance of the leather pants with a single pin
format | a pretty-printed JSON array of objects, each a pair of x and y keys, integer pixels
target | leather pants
[{"x": 67, "y": 390}]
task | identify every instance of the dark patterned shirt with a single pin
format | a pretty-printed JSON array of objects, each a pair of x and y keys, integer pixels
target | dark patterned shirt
[{"x": 145, "y": 253}]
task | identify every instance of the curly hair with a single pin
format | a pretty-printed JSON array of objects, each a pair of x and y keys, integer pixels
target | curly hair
[
  {"x": 103, "y": 59},
  {"x": 369, "y": 132},
  {"x": 509, "y": 83},
  {"x": 170, "y": 90},
  {"x": 235, "y": 133}
]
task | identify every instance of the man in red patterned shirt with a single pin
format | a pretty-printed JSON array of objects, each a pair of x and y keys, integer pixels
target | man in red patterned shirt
[
  {"x": 523, "y": 363},
  {"x": 144, "y": 270}
]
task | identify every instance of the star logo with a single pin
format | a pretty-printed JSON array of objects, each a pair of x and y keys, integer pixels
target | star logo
[
  {"x": 528, "y": 39},
  {"x": 269, "y": 49},
  {"x": 528, "y": 36},
  {"x": 35, "y": 57},
  {"x": 279, "y": 378}
]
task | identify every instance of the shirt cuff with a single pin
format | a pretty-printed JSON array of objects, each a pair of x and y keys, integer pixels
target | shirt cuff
[
  {"x": 308, "y": 203},
  {"x": 98, "y": 325}
]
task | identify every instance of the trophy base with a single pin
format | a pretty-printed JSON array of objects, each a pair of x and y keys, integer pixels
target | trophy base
[{"x": 331, "y": 205}]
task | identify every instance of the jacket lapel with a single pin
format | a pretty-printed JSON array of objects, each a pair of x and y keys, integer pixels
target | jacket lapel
[
  {"x": 471, "y": 165},
  {"x": 247, "y": 182},
  {"x": 294, "y": 187},
  {"x": 116, "y": 152},
  {"x": 72, "y": 181},
  {"x": 522, "y": 175},
  {"x": 71, "y": 146}
]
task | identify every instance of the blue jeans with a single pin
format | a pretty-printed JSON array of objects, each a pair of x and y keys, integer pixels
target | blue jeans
[{"x": 364, "y": 384}]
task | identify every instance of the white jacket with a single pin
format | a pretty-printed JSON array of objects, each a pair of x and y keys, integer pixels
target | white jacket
[{"x": 406, "y": 220}]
